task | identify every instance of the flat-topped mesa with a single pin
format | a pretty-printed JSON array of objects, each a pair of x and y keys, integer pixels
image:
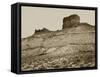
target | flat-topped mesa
[{"x": 70, "y": 21}]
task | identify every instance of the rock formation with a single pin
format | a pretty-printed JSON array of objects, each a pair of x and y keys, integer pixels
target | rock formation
[
  {"x": 70, "y": 21},
  {"x": 42, "y": 30}
]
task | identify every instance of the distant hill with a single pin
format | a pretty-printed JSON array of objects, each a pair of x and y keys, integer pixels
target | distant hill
[{"x": 73, "y": 40}]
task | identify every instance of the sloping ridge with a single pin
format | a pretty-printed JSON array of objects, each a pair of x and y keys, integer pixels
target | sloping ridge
[{"x": 80, "y": 35}]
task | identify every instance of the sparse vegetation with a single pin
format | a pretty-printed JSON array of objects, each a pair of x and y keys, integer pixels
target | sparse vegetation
[{"x": 73, "y": 60}]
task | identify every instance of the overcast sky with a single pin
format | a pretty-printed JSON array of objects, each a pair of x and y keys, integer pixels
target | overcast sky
[{"x": 50, "y": 18}]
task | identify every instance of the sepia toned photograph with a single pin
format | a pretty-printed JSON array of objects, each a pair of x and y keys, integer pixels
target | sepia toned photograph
[{"x": 57, "y": 38}]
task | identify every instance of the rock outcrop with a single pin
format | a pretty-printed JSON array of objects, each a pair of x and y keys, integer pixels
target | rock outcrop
[
  {"x": 70, "y": 21},
  {"x": 42, "y": 30}
]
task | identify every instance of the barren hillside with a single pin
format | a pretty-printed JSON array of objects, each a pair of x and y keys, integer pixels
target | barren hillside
[{"x": 71, "y": 47}]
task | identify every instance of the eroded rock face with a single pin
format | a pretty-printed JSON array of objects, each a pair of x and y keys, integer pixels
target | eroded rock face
[{"x": 72, "y": 20}]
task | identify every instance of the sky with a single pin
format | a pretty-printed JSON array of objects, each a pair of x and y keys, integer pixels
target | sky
[{"x": 51, "y": 18}]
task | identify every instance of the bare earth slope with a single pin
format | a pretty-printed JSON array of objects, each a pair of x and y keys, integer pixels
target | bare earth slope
[{"x": 68, "y": 48}]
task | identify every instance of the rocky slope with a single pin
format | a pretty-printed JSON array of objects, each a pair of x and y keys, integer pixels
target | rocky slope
[{"x": 71, "y": 47}]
